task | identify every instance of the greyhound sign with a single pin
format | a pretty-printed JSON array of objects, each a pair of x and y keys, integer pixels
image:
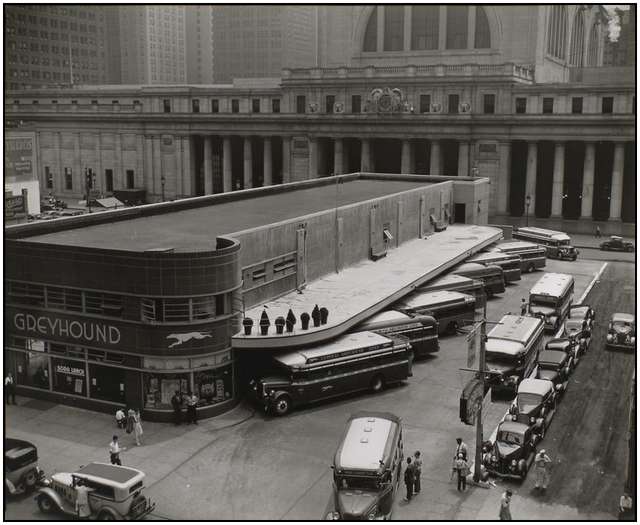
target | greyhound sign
[{"x": 183, "y": 338}]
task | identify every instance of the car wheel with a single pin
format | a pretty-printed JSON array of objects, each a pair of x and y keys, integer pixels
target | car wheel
[
  {"x": 45, "y": 504},
  {"x": 106, "y": 515},
  {"x": 629, "y": 248},
  {"x": 377, "y": 383},
  {"x": 452, "y": 328},
  {"x": 531, "y": 268},
  {"x": 30, "y": 479},
  {"x": 282, "y": 405}
]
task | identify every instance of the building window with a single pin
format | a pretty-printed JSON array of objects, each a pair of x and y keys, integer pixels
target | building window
[
  {"x": 371, "y": 33},
  {"x": 424, "y": 26},
  {"x": 166, "y": 103},
  {"x": 69, "y": 376},
  {"x": 454, "y": 101},
  {"x": 255, "y": 105},
  {"x": 215, "y": 105},
  {"x": 107, "y": 383},
  {"x": 213, "y": 386},
  {"x": 160, "y": 388},
  {"x": 557, "y": 31},
  {"x": 301, "y": 104},
  {"x": 195, "y": 105},
  {"x": 457, "y": 26},
  {"x": 275, "y": 105},
  {"x": 489, "y": 104},
  {"x": 521, "y": 105},
  {"x": 393, "y": 27},
  {"x": 68, "y": 179},
  {"x": 330, "y": 100},
  {"x": 576, "y": 105},
  {"x": 235, "y": 105},
  {"x": 607, "y": 104},
  {"x": 356, "y": 104},
  {"x": 48, "y": 177},
  {"x": 32, "y": 367},
  {"x": 108, "y": 180},
  {"x": 425, "y": 103},
  {"x": 130, "y": 179},
  {"x": 547, "y": 105},
  {"x": 483, "y": 34}
]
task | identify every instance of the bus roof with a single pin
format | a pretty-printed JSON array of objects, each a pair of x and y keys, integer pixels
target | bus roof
[
  {"x": 516, "y": 328},
  {"x": 541, "y": 232},
  {"x": 333, "y": 349},
  {"x": 518, "y": 246},
  {"x": 386, "y": 316},
  {"x": 367, "y": 441},
  {"x": 502, "y": 346},
  {"x": 470, "y": 267},
  {"x": 553, "y": 284},
  {"x": 426, "y": 299},
  {"x": 488, "y": 257}
]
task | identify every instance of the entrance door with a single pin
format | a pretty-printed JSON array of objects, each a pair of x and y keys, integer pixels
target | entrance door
[{"x": 460, "y": 212}]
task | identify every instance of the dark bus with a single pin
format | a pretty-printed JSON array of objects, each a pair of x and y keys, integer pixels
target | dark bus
[
  {"x": 492, "y": 276},
  {"x": 509, "y": 262},
  {"x": 457, "y": 283},
  {"x": 451, "y": 309},
  {"x": 557, "y": 244},
  {"x": 357, "y": 361},
  {"x": 533, "y": 256},
  {"x": 420, "y": 330}
]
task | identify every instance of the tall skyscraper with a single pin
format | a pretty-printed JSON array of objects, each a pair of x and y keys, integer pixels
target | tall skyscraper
[
  {"x": 153, "y": 48},
  {"x": 199, "y": 33},
  {"x": 258, "y": 41},
  {"x": 47, "y": 44}
]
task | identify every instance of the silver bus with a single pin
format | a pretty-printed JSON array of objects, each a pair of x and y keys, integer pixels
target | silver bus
[
  {"x": 557, "y": 244},
  {"x": 532, "y": 256},
  {"x": 491, "y": 275},
  {"x": 457, "y": 283},
  {"x": 451, "y": 309},
  {"x": 509, "y": 262},
  {"x": 550, "y": 299}
]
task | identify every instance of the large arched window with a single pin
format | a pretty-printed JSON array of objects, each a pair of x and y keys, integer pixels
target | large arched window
[
  {"x": 483, "y": 34},
  {"x": 457, "y": 26},
  {"x": 592, "y": 55},
  {"x": 424, "y": 26},
  {"x": 371, "y": 33},
  {"x": 557, "y": 31},
  {"x": 577, "y": 40},
  {"x": 393, "y": 28}
]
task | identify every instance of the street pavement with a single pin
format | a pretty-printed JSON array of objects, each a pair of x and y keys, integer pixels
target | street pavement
[{"x": 245, "y": 465}]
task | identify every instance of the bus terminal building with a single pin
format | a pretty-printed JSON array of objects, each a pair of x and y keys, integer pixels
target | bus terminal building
[{"x": 124, "y": 307}]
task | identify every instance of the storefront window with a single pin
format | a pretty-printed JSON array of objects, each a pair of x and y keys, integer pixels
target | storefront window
[
  {"x": 69, "y": 377},
  {"x": 32, "y": 369},
  {"x": 213, "y": 386},
  {"x": 107, "y": 383},
  {"x": 159, "y": 389}
]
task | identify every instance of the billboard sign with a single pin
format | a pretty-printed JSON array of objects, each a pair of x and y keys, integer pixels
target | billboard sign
[{"x": 19, "y": 158}]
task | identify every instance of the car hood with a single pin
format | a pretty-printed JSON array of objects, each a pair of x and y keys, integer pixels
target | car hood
[
  {"x": 550, "y": 375},
  {"x": 63, "y": 478},
  {"x": 274, "y": 381},
  {"x": 499, "y": 368},
  {"x": 505, "y": 450},
  {"x": 622, "y": 329},
  {"x": 544, "y": 310},
  {"x": 352, "y": 502}
]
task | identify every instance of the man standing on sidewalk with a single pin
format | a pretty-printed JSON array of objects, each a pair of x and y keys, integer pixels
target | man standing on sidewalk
[
  {"x": 176, "y": 403},
  {"x": 417, "y": 465},
  {"x": 505, "y": 508},
  {"x": 114, "y": 451},
  {"x": 541, "y": 462},
  {"x": 10, "y": 389},
  {"x": 409, "y": 478}
]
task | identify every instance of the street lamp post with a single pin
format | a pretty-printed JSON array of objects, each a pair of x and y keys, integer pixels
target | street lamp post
[
  {"x": 162, "y": 181},
  {"x": 528, "y": 203}
]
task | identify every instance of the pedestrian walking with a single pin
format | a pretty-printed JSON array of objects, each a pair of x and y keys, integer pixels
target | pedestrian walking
[
  {"x": 462, "y": 469},
  {"x": 121, "y": 418},
  {"x": 82, "y": 499},
  {"x": 114, "y": 451},
  {"x": 417, "y": 465},
  {"x": 460, "y": 449},
  {"x": 10, "y": 388},
  {"x": 137, "y": 427},
  {"x": 409, "y": 478},
  {"x": 192, "y": 402},
  {"x": 541, "y": 463},
  {"x": 598, "y": 232},
  {"x": 523, "y": 307},
  {"x": 176, "y": 403},
  {"x": 505, "y": 508},
  {"x": 625, "y": 508},
  {"x": 131, "y": 420}
]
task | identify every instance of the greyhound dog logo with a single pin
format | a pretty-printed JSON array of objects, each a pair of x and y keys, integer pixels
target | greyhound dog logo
[{"x": 183, "y": 338}]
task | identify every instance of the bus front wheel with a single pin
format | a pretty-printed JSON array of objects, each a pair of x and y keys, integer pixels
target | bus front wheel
[
  {"x": 282, "y": 405},
  {"x": 377, "y": 383},
  {"x": 453, "y": 328}
]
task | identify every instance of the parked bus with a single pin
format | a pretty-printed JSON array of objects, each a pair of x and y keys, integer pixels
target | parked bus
[
  {"x": 357, "y": 361},
  {"x": 367, "y": 468},
  {"x": 509, "y": 262},
  {"x": 492, "y": 276},
  {"x": 532, "y": 256},
  {"x": 457, "y": 283},
  {"x": 420, "y": 330},
  {"x": 557, "y": 244},
  {"x": 550, "y": 299},
  {"x": 451, "y": 309},
  {"x": 511, "y": 351}
]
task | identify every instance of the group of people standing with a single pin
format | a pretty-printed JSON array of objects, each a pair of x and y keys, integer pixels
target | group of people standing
[
  {"x": 412, "y": 474},
  {"x": 131, "y": 423},
  {"x": 191, "y": 401}
]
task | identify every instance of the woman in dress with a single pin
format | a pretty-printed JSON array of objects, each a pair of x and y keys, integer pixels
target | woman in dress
[{"x": 137, "y": 427}]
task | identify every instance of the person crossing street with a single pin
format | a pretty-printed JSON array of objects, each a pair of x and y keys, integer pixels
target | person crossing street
[{"x": 542, "y": 462}]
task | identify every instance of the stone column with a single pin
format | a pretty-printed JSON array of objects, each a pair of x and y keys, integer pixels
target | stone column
[
  {"x": 148, "y": 166},
  {"x": 442, "y": 28},
  {"x": 266, "y": 159},
  {"x": 208, "y": 166},
  {"x": 405, "y": 160},
  {"x": 587, "y": 180},
  {"x": 434, "y": 160},
  {"x": 59, "y": 183},
  {"x": 557, "y": 190},
  {"x": 380, "y": 29},
  {"x": 187, "y": 173},
  {"x": 100, "y": 175},
  {"x": 471, "y": 27},
  {"x": 338, "y": 156},
  {"x": 463, "y": 159},
  {"x": 286, "y": 160},
  {"x": 179, "y": 173},
  {"x": 313, "y": 158},
  {"x": 407, "y": 28},
  {"x": 530, "y": 184},
  {"x": 502, "y": 189},
  {"x": 248, "y": 164},
  {"x": 615, "y": 204},
  {"x": 226, "y": 165},
  {"x": 365, "y": 156},
  {"x": 78, "y": 170},
  {"x": 157, "y": 166}
]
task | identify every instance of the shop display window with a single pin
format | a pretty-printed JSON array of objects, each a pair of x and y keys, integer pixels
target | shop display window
[
  {"x": 213, "y": 386},
  {"x": 159, "y": 389},
  {"x": 69, "y": 377},
  {"x": 107, "y": 383},
  {"x": 32, "y": 369}
]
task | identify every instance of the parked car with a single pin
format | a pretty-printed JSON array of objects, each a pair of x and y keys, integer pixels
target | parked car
[
  {"x": 622, "y": 332},
  {"x": 583, "y": 312},
  {"x": 555, "y": 366},
  {"x": 616, "y": 243},
  {"x": 21, "y": 471},
  {"x": 579, "y": 331},
  {"x": 513, "y": 451},
  {"x": 534, "y": 405},
  {"x": 568, "y": 346},
  {"x": 116, "y": 493}
]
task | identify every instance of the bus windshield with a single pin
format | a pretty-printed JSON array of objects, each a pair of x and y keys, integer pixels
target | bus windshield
[
  {"x": 543, "y": 299},
  {"x": 502, "y": 359},
  {"x": 359, "y": 482}
]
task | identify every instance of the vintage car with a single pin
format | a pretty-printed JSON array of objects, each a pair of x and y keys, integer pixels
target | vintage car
[
  {"x": 622, "y": 332},
  {"x": 115, "y": 492},
  {"x": 582, "y": 312},
  {"x": 513, "y": 451},
  {"x": 21, "y": 471},
  {"x": 534, "y": 405},
  {"x": 566, "y": 345},
  {"x": 579, "y": 331},
  {"x": 555, "y": 366},
  {"x": 616, "y": 243}
]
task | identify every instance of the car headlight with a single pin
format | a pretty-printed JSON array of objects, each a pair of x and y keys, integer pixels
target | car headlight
[
  {"x": 532, "y": 420},
  {"x": 513, "y": 379},
  {"x": 632, "y": 340},
  {"x": 372, "y": 515},
  {"x": 514, "y": 417},
  {"x": 558, "y": 387},
  {"x": 332, "y": 516},
  {"x": 627, "y": 339},
  {"x": 609, "y": 337}
]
